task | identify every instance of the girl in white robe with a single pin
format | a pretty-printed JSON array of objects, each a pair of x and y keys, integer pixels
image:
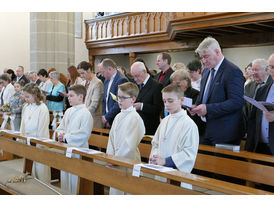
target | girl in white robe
[
  {"x": 75, "y": 129},
  {"x": 176, "y": 141},
  {"x": 127, "y": 129},
  {"x": 35, "y": 122}
]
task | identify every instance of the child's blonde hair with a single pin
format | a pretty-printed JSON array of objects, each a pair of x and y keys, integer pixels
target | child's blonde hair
[
  {"x": 34, "y": 90},
  {"x": 172, "y": 88},
  {"x": 129, "y": 88}
]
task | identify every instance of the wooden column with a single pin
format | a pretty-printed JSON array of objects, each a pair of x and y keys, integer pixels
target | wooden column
[
  {"x": 92, "y": 61},
  {"x": 132, "y": 56}
]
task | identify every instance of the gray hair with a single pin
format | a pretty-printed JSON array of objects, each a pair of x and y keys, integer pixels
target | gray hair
[
  {"x": 5, "y": 77},
  {"x": 262, "y": 63},
  {"x": 208, "y": 43},
  {"x": 55, "y": 75},
  {"x": 140, "y": 65}
]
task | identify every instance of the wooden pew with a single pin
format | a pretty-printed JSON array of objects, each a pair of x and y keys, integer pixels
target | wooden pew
[
  {"x": 250, "y": 167},
  {"x": 91, "y": 171}
]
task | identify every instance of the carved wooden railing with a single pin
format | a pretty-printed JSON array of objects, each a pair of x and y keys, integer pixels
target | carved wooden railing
[{"x": 127, "y": 24}]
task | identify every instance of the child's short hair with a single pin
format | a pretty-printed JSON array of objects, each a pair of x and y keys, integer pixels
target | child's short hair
[
  {"x": 78, "y": 89},
  {"x": 175, "y": 89},
  {"x": 129, "y": 88},
  {"x": 34, "y": 90},
  {"x": 21, "y": 83}
]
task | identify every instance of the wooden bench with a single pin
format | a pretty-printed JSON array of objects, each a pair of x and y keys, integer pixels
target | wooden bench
[
  {"x": 90, "y": 171},
  {"x": 248, "y": 166}
]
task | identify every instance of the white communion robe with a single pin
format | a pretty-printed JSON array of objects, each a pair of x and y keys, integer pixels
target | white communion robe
[
  {"x": 35, "y": 122},
  {"x": 77, "y": 125},
  {"x": 125, "y": 135},
  {"x": 177, "y": 136}
]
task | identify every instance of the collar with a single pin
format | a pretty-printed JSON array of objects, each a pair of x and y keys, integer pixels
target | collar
[
  {"x": 178, "y": 114},
  {"x": 218, "y": 65},
  {"x": 145, "y": 81},
  {"x": 131, "y": 108},
  {"x": 164, "y": 73}
]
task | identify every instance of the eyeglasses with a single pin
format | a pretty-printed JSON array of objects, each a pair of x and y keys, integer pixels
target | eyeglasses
[
  {"x": 270, "y": 67},
  {"x": 122, "y": 98}
]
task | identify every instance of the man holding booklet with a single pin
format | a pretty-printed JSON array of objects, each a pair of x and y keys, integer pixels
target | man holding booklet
[{"x": 260, "y": 129}]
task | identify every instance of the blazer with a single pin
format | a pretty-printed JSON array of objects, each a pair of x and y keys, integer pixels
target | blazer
[
  {"x": 93, "y": 100},
  {"x": 24, "y": 78},
  {"x": 113, "y": 107},
  {"x": 224, "y": 104},
  {"x": 151, "y": 97},
  {"x": 255, "y": 123},
  {"x": 166, "y": 79},
  {"x": 249, "y": 91}
]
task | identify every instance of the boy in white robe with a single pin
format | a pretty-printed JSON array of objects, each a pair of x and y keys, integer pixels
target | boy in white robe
[
  {"x": 75, "y": 129},
  {"x": 176, "y": 141},
  {"x": 35, "y": 122},
  {"x": 127, "y": 129}
]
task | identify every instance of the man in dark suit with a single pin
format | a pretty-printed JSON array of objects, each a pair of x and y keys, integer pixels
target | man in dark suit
[
  {"x": 113, "y": 79},
  {"x": 34, "y": 78},
  {"x": 260, "y": 130},
  {"x": 261, "y": 77},
  {"x": 20, "y": 75},
  {"x": 163, "y": 63},
  {"x": 149, "y": 101},
  {"x": 220, "y": 101}
]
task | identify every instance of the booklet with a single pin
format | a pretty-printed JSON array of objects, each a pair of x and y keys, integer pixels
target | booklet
[
  {"x": 187, "y": 102},
  {"x": 264, "y": 106}
]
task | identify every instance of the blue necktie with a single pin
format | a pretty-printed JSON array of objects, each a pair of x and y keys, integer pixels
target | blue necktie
[
  {"x": 209, "y": 86},
  {"x": 141, "y": 86}
]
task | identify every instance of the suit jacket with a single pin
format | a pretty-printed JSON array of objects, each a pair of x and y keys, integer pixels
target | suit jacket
[
  {"x": 249, "y": 91},
  {"x": 24, "y": 78},
  {"x": 113, "y": 107},
  {"x": 93, "y": 100},
  {"x": 38, "y": 81},
  {"x": 224, "y": 104},
  {"x": 166, "y": 79},
  {"x": 151, "y": 97},
  {"x": 255, "y": 123}
]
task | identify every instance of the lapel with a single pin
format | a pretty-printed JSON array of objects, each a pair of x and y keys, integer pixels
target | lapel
[
  {"x": 217, "y": 77},
  {"x": 116, "y": 78},
  {"x": 145, "y": 89},
  {"x": 203, "y": 83}
]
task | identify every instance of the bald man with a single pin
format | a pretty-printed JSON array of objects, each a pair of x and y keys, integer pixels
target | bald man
[{"x": 149, "y": 101}]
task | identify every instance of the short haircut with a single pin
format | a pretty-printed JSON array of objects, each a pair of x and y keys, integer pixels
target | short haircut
[
  {"x": 107, "y": 62},
  {"x": 182, "y": 75},
  {"x": 34, "y": 90},
  {"x": 43, "y": 73},
  {"x": 208, "y": 43},
  {"x": 139, "y": 59},
  {"x": 172, "y": 88},
  {"x": 21, "y": 83},
  {"x": 262, "y": 63},
  {"x": 85, "y": 66},
  {"x": 166, "y": 56},
  {"x": 194, "y": 65},
  {"x": 78, "y": 89},
  {"x": 178, "y": 65},
  {"x": 21, "y": 68},
  {"x": 129, "y": 88},
  {"x": 5, "y": 77},
  {"x": 55, "y": 75}
]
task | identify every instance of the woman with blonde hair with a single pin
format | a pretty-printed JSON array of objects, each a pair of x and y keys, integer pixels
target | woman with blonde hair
[{"x": 35, "y": 122}]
